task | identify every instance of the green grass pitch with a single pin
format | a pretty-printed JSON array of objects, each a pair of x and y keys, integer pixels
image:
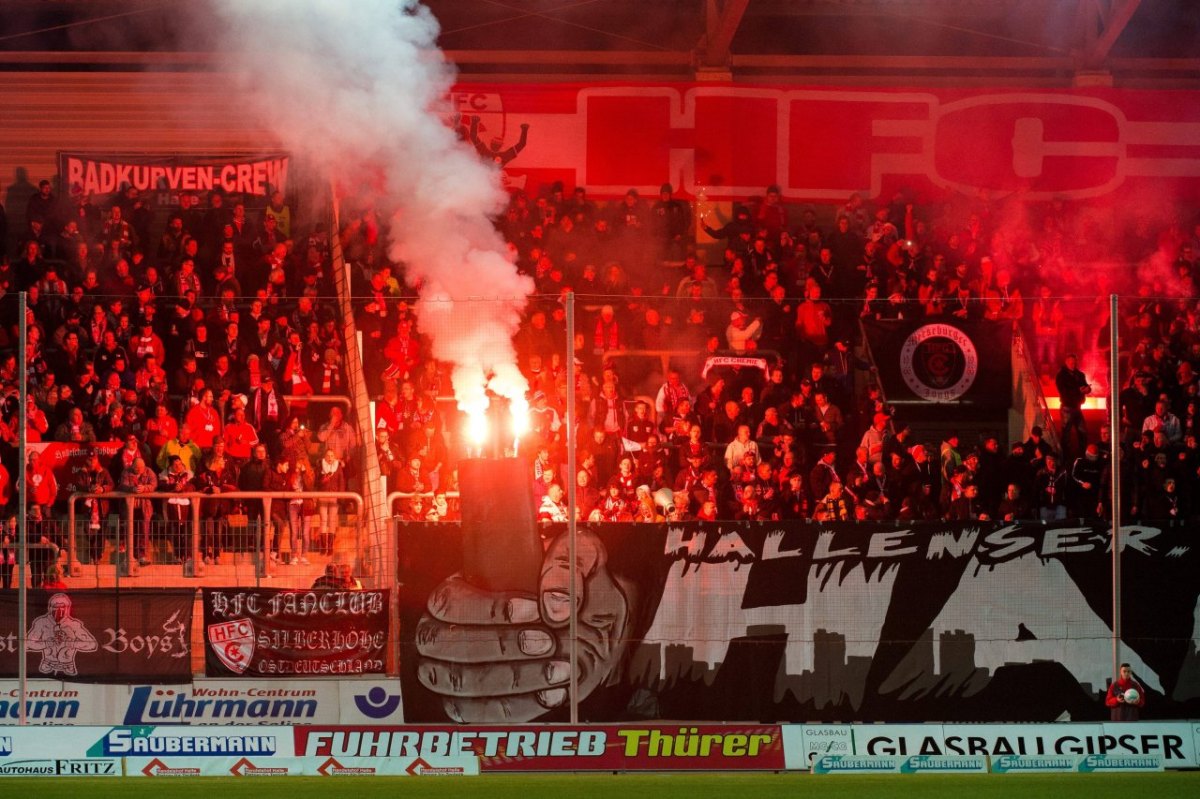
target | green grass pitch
[{"x": 626, "y": 786}]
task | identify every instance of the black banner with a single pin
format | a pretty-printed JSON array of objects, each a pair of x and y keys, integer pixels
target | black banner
[
  {"x": 281, "y": 633},
  {"x": 805, "y": 622},
  {"x": 944, "y": 360},
  {"x": 107, "y": 174},
  {"x": 100, "y": 635}
]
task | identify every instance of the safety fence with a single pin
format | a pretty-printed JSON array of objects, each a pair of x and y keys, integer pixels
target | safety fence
[{"x": 202, "y": 530}]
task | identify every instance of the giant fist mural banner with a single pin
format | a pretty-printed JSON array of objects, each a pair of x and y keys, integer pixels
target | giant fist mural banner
[{"x": 803, "y": 622}]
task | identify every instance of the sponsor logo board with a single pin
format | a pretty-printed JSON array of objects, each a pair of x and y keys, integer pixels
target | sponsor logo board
[
  {"x": 49, "y": 743},
  {"x": 155, "y": 767},
  {"x": 210, "y": 702},
  {"x": 550, "y": 747},
  {"x": 62, "y": 767},
  {"x": 855, "y": 764},
  {"x": 899, "y": 740},
  {"x": 50, "y": 702},
  {"x": 1025, "y": 764},
  {"x": 151, "y": 742},
  {"x": 246, "y": 768},
  {"x": 370, "y": 702},
  {"x": 1174, "y": 742},
  {"x": 1101, "y": 763},
  {"x": 443, "y": 768},
  {"x": 802, "y": 743},
  {"x": 889, "y": 764},
  {"x": 1167, "y": 739},
  {"x": 250, "y": 767},
  {"x": 944, "y": 764},
  {"x": 418, "y": 767},
  {"x": 233, "y": 702}
]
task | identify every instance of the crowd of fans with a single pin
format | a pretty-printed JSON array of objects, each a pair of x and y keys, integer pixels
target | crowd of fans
[
  {"x": 720, "y": 382},
  {"x": 805, "y": 433},
  {"x": 202, "y": 347}
]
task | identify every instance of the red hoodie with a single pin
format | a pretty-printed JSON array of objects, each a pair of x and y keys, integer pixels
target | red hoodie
[{"x": 1120, "y": 710}]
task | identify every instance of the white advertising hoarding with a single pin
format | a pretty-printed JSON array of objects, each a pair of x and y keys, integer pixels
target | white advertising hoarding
[{"x": 206, "y": 701}]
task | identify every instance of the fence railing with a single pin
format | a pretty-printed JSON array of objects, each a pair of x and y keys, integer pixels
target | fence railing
[
  {"x": 319, "y": 399},
  {"x": 195, "y": 499}
]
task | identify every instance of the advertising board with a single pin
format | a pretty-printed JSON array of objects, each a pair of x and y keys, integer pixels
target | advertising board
[
  {"x": 560, "y": 748},
  {"x": 205, "y": 701}
]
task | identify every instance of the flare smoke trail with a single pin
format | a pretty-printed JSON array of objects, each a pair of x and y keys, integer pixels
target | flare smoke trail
[{"x": 360, "y": 90}]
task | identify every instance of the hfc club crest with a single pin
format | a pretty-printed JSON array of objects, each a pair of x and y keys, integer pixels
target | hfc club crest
[{"x": 233, "y": 643}]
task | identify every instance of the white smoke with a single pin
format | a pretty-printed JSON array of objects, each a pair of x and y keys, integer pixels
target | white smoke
[{"x": 360, "y": 91}]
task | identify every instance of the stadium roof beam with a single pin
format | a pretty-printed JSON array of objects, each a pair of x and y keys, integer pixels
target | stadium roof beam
[
  {"x": 722, "y": 19},
  {"x": 892, "y": 63},
  {"x": 976, "y": 9},
  {"x": 1103, "y": 21}
]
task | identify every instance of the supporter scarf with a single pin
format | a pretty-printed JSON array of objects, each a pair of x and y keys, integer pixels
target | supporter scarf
[{"x": 737, "y": 362}]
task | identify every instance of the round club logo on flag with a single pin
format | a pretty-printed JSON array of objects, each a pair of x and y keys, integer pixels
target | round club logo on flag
[{"x": 939, "y": 362}]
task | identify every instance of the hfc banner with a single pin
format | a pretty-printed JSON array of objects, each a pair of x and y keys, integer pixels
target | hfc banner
[
  {"x": 803, "y": 622},
  {"x": 100, "y": 635},
  {"x": 106, "y": 174},
  {"x": 943, "y": 360},
  {"x": 823, "y": 143},
  {"x": 282, "y": 633}
]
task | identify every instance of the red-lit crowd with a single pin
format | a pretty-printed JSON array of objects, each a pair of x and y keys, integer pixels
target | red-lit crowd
[
  {"x": 718, "y": 380},
  {"x": 196, "y": 337},
  {"x": 728, "y": 382}
]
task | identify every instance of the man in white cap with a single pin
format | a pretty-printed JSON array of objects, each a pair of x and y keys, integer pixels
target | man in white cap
[{"x": 741, "y": 330}]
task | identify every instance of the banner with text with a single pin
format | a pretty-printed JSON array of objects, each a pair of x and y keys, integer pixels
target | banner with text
[
  {"x": 100, "y": 635},
  {"x": 206, "y": 701},
  {"x": 1044, "y": 747},
  {"x": 813, "y": 622},
  {"x": 69, "y": 459},
  {"x": 282, "y": 633},
  {"x": 107, "y": 174},
  {"x": 560, "y": 748}
]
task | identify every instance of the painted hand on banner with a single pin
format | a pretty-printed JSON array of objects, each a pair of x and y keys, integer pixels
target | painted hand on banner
[{"x": 505, "y": 657}]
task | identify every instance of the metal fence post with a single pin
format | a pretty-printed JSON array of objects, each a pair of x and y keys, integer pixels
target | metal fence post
[
  {"x": 197, "y": 561},
  {"x": 1114, "y": 421},
  {"x": 572, "y": 509},
  {"x": 74, "y": 568},
  {"x": 129, "y": 539},
  {"x": 22, "y": 507},
  {"x": 268, "y": 527}
]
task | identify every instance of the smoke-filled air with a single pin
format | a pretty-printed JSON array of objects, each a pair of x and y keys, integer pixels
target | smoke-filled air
[{"x": 360, "y": 91}]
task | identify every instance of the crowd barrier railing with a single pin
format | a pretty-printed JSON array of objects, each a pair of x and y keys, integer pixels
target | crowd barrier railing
[
  {"x": 195, "y": 499},
  {"x": 319, "y": 399}
]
